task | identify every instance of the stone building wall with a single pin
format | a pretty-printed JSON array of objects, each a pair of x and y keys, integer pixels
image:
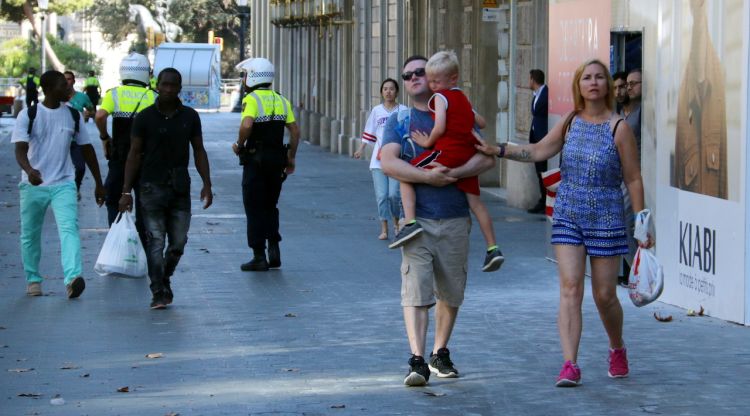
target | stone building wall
[
  {"x": 332, "y": 74},
  {"x": 529, "y": 52}
]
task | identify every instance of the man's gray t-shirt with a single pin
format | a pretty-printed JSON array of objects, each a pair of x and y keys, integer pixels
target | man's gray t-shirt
[
  {"x": 634, "y": 121},
  {"x": 433, "y": 203}
]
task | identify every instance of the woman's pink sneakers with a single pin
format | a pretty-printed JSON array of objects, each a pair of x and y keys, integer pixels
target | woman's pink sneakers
[
  {"x": 618, "y": 363},
  {"x": 570, "y": 375}
]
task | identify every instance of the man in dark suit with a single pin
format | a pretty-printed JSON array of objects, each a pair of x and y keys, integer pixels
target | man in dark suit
[{"x": 538, "y": 129}]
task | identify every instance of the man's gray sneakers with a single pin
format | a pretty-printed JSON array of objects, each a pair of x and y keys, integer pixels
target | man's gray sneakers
[
  {"x": 441, "y": 364},
  {"x": 418, "y": 374}
]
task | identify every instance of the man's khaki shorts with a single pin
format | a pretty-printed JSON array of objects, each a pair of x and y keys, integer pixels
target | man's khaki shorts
[{"x": 433, "y": 265}]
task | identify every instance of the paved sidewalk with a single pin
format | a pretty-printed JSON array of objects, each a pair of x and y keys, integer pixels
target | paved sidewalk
[{"x": 324, "y": 334}]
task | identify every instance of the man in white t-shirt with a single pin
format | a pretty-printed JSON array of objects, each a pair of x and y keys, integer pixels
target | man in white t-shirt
[{"x": 42, "y": 144}]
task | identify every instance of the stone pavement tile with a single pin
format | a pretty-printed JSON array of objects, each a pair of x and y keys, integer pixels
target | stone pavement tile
[{"x": 326, "y": 329}]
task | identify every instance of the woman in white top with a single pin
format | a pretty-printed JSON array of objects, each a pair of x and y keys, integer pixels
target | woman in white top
[{"x": 386, "y": 189}]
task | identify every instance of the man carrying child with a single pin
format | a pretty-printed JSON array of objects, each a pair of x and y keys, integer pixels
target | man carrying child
[
  {"x": 433, "y": 268},
  {"x": 452, "y": 144}
]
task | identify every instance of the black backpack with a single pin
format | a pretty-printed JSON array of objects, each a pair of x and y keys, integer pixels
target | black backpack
[{"x": 73, "y": 113}]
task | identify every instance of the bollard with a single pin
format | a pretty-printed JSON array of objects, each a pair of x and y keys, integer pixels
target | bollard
[
  {"x": 304, "y": 124},
  {"x": 314, "y": 133},
  {"x": 343, "y": 145},
  {"x": 325, "y": 132},
  {"x": 353, "y": 145},
  {"x": 334, "y": 138},
  {"x": 523, "y": 190}
]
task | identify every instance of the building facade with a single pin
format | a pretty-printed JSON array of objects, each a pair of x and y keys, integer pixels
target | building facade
[
  {"x": 332, "y": 56},
  {"x": 331, "y": 66}
]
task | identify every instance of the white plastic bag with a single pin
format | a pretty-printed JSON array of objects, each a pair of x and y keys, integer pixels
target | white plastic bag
[
  {"x": 646, "y": 280},
  {"x": 642, "y": 225},
  {"x": 122, "y": 253}
]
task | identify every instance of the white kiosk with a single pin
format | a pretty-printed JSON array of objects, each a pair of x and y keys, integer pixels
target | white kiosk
[{"x": 200, "y": 67}]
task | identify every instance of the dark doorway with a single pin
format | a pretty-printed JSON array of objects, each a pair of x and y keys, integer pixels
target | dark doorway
[{"x": 626, "y": 51}]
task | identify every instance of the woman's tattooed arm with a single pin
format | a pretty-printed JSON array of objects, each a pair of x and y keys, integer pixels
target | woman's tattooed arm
[{"x": 518, "y": 153}]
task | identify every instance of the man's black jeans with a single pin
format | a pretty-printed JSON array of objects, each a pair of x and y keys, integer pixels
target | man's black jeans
[
  {"x": 78, "y": 163},
  {"x": 166, "y": 217},
  {"x": 261, "y": 187}
]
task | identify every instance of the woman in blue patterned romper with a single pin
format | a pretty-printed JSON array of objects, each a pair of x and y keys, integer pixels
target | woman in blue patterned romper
[{"x": 598, "y": 153}]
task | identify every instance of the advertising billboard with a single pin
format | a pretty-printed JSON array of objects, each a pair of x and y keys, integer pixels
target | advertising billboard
[
  {"x": 701, "y": 82},
  {"x": 578, "y": 31}
]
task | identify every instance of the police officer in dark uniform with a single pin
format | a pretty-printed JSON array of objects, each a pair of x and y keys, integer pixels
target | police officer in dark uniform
[
  {"x": 265, "y": 159},
  {"x": 123, "y": 103},
  {"x": 92, "y": 88},
  {"x": 31, "y": 84}
]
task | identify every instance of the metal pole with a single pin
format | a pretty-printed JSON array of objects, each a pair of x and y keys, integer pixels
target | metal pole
[
  {"x": 41, "y": 43},
  {"x": 243, "y": 28},
  {"x": 243, "y": 23}
]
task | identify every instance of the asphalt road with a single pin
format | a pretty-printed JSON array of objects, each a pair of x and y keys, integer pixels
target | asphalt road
[{"x": 324, "y": 334}]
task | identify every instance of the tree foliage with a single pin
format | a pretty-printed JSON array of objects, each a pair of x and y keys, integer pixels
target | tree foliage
[
  {"x": 195, "y": 17},
  {"x": 198, "y": 17},
  {"x": 12, "y": 10},
  {"x": 19, "y": 10},
  {"x": 73, "y": 57},
  {"x": 113, "y": 18},
  {"x": 16, "y": 55}
]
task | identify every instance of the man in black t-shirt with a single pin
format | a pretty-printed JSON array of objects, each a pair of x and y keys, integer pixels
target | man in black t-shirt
[{"x": 159, "y": 153}]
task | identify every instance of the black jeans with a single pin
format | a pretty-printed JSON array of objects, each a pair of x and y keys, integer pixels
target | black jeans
[
  {"x": 166, "y": 216},
  {"x": 80, "y": 165},
  {"x": 261, "y": 187},
  {"x": 32, "y": 99},
  {"x": 113, "y": 187}
]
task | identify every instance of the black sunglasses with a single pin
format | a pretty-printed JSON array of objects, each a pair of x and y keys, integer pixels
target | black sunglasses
[{"x": 406, "y": 76}]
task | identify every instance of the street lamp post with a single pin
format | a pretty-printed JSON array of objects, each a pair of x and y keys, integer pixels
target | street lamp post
[
  {"x": 43, "y": 4},
  {"x": 244, "y": 12}
]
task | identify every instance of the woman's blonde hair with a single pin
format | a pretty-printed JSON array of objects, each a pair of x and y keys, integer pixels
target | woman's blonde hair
[
  {"x": 578, "y": 98},
  {"x": 443, "y": 62}
]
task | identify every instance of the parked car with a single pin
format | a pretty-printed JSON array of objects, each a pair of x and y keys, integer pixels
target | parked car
[{"x": 8, "y": 90}]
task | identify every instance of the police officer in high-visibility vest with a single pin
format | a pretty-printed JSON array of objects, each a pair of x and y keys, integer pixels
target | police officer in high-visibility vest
[
  {"x": 123, "y": 103},
  {"x": 152, "y": 81},
  {"x": 30, "y": 83},
  {"x": 92, "y": 88},
  {"x": 265, "y": 159}
]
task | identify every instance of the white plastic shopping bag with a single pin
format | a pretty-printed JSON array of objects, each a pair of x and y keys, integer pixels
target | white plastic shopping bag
[
  {"x": 122, "y": 253},
  {"x": 642, "y": 225},
  {"x": 646, "y": 280}
]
